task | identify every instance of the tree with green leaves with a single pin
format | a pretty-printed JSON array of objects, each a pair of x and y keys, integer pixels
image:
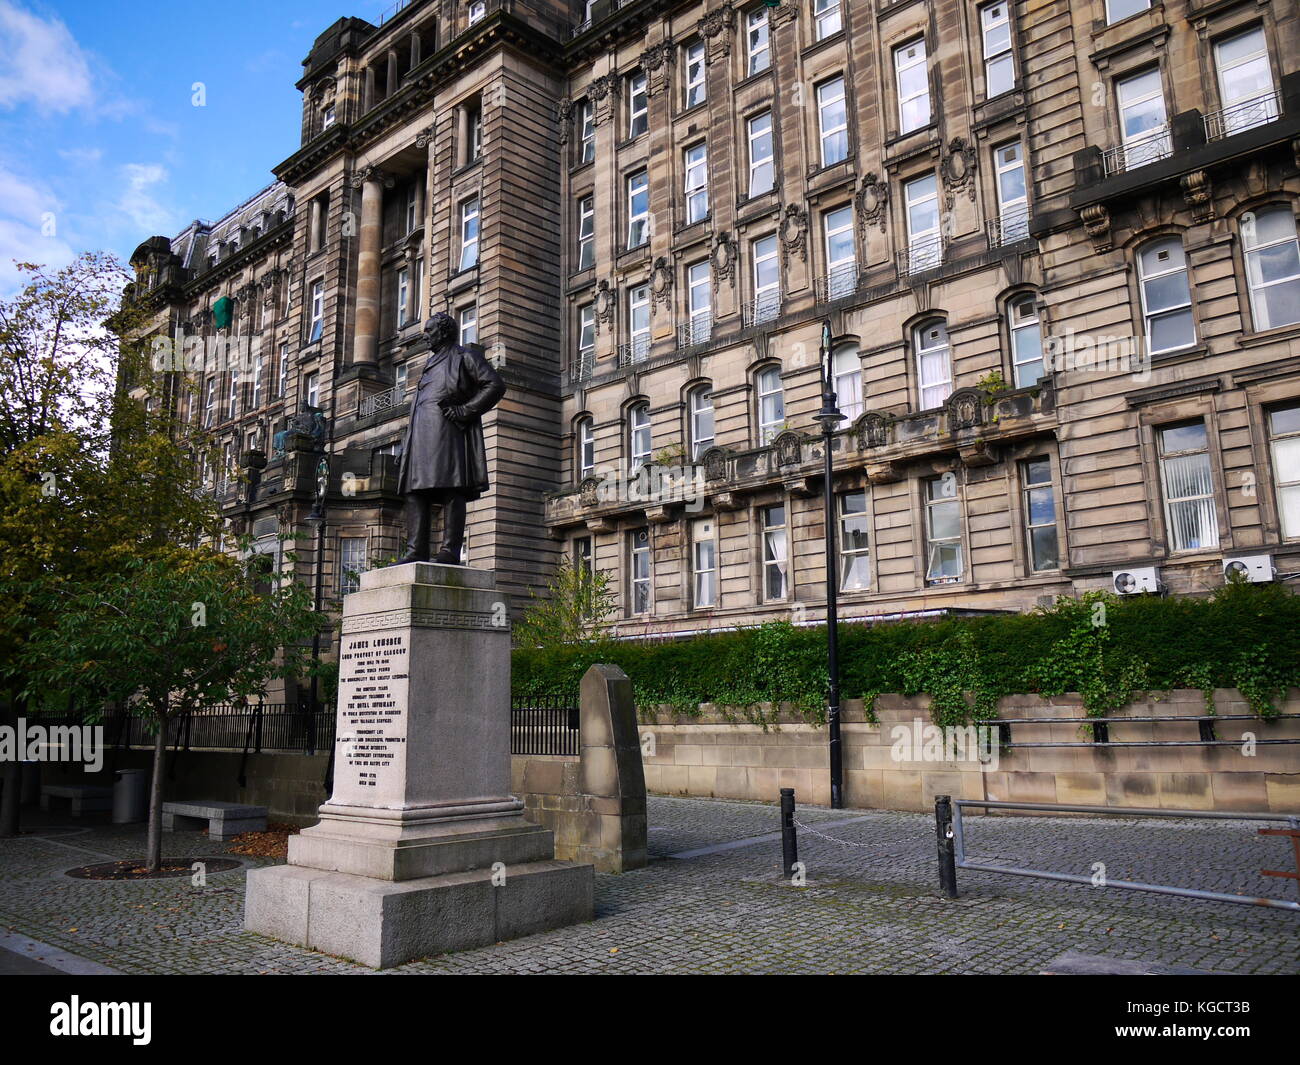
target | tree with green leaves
[
  {"x": 577, "y": 603},
  {"x": 167, "y": 638}
]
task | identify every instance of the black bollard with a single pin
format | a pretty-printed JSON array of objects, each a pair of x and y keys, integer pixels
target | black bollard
[
  {"x": 947, "y": 850},
  {"x": 789, "y": 844}
]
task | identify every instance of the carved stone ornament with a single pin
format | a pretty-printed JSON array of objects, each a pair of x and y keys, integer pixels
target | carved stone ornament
[
  {"x": 564, "y": 111},
  {"x": 1096, "y": 223},
  {"x": 873, "y": 198},
  {"x": 718, "y": 28},
  {"x": 1198, "y": 193},
  {"x": 661, "y": 281},
  {"x": 657, "y": 62},
  {"x": 606, "y": 299},
  {"x": 372, "y": 173},
  {"x": 786, "y": 13},
  {"x": 788, "y": 448},
  {"x": 602, "y": 94},
  {"x": 715, "y": 464},
  {"x": 425, "y": 137},
  {"x": 965, "y": 409},
  {"x": 794, "y": 233},
  {"x": 724, "y": 259},
  {"x": 958, "y": 170},
  {"x": 873, "y": 430},
  {"x": 589, "y": 491}
]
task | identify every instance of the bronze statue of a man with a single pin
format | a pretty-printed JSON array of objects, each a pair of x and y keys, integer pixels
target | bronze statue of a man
[{"x": 444, "y": 460}]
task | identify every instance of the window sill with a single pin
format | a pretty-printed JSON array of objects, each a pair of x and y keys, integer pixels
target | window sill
[
  {"x": 463, "y": 279},
  {"x": 1268, "y": 336}
]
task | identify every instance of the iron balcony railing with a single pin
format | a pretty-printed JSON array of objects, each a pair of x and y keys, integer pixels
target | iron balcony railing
[
  {"x": 637, "y": 350},
  {"x": 1244, "y": 115},
  {"x": 922, "y": 254},
  {"x": 1011, "y": 227},
  {"x": 842, "y": 281},
  {"x": 582, "y": 367},
  {"x": 380, "y": 401},
  {"x": 1151, "y": 147},
  {"x": 545, "y": 726},
  {"x": 699, "y": 330},
  {"x": 763, "y": 308}
]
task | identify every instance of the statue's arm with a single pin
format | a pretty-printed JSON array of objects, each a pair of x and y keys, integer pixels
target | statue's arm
[{"x": 489, "y": 387}]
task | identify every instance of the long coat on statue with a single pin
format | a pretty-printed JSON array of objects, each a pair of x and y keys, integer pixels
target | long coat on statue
[{"x": 436, "y": 452}]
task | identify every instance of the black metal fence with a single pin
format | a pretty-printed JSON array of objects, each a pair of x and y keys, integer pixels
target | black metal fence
[
  {"x": 545, "y": 726},
  {"x": 265, "y": 727}
]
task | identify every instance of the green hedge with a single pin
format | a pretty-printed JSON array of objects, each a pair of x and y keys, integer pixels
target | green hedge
[{"x": 1105, "y": 647}]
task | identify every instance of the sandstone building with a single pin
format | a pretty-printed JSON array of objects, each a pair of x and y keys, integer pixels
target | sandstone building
[{"x": 1056, "y": 244}]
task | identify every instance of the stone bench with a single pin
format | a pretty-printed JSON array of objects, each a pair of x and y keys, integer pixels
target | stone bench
[
  {"x": 222, "y": 819},
  {"x": 80, "y": 798}
]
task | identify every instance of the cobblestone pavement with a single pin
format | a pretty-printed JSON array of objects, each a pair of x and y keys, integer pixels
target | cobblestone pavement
[{"x": 868, "y": 908}]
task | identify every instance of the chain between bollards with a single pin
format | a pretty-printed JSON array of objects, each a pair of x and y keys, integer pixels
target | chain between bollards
[
  {"x": 947, "y": 848},
  {"x": 789, "y": 843}
]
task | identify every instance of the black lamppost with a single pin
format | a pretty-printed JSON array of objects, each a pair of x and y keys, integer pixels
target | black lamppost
[
  {"x": 830, "y": 416},
  {"x": 317, "y": 519}
]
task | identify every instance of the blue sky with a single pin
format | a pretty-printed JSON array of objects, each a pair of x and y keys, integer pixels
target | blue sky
[{"x": 101, "y": 144}]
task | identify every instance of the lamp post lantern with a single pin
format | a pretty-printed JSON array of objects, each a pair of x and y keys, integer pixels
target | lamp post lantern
[{"x": 829, "y": 416}]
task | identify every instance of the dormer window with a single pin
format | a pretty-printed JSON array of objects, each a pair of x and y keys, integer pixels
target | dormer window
[{"x": 327, "y": 118}]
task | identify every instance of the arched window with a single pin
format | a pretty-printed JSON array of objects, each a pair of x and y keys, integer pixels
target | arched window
[
  {"x": 1272, "y": 266},
  {"x": 699, "y": 407},
  {"x": 933, "y": 362},
  {"x": 585, "y": 433},
  {"x": 1026, "y": 335},
  {"x": 847, "y": 369},
  {"x": 638, "y": 436},
  {"x": 1166, "y": 296},
  {"x": 771, "y": 403}
]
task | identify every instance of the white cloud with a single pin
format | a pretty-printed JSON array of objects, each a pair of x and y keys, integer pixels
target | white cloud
[
  {"x": 138, "y": 203},
  {"x": 25, "y": 244},
  {"x": 22, "y": 200},
  {"x": 41, "y": 63}
]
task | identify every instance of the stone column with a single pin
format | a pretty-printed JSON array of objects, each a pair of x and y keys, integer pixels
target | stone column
[
  {"x": 372, "y": 182},
  {"x": 315, "y": 227},
  {"x": 392, "y": 71}
]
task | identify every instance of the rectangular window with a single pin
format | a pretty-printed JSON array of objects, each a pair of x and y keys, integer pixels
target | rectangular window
[
  {"x": 639, "y": 436},
  {"x": 586, "y": 232},
  {"x": 474, "y": 123},
  {"x": 639, "y": 571},
  {"x": 943, "y": 530},
  {"x": 1013, "y": 203},
  {"x": 1040, "y": 513},
  {"x": 771, "y": 404},
  {"x": 701, "y": 410},
  {"x": 584, "y": 565},
  {"x": 352, "y": 563},
  {"x": 586, "y": 132},
  {"x": 758, "y": 42},
  {"x": 841, "y": 254},
  {"x": 1143, "y": 122},
  {"x": 328, "y": 118},
  {"x": 477, "y": 11},
  {"x": 232, "y": 411},
  {"x": 833, "y": 121},
  {"x": 704, "y": 564},
  {"x": 400, "y": 377},
  {"x": 1272, "y": 253},
  {"x": 586, "y": 447},
  {"x": 696, "y": 87},
  {"x": 999, "y": 68},
  {"x": 316, "y": 328},
  {"x": 776, "y": 566},
  {"x": 1122, "y": 9},
  {"x": 827, "y": 15},
  {"x": 468, "y": 234},
  {"x": 924, "y": 239},
  {"x": 699, "y": 295},
  {"x": 411, "y": 217},
  {"x": 209, "y": 402},
  {"x": 846, "y": 367},
  {"x": 1245, "y": 82},
  {"x": 311, "y": 389},
  {"x": 762, "y": 165},
  {"x": 1188, "y": 487},
  {"x": 638, "y": 106},
  {"x": 1026, "y": 341},
  {"x": 417, "y": 282},
  {"x": 468, "y": 323},
  {"x": 1284, "y": 438},
  {"x": 259, "y": 373},
  {"x": 697, "y": 183},
  {"x": 638, "y": 321},
  {"x": 403, "y": 294},
  {"x": 283, "y": 385},
  {"x": 767, "y": 279},
  {"x": 855, "y": 550},
  {"x": 933, "y": 364},
  {"x": 913, "y": 79},
  {"x": 638, "y": 209},
  {"x": 1166, "y": 296},
  {"x": 586, "y": 339}
]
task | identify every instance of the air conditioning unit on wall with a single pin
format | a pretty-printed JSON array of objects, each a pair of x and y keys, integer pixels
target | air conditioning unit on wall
[
  {"x": 1137, "y": 580},
  {"x": 1258, "y": 569}
]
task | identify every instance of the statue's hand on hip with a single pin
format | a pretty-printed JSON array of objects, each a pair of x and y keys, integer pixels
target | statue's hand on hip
[{"x": 456, "y": 414}]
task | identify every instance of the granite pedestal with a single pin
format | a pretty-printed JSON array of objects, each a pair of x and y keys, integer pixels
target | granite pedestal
[{"x": 421, "y": 848}]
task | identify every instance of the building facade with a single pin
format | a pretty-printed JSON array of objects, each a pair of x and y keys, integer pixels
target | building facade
[{"x": 1055, "y": 243}]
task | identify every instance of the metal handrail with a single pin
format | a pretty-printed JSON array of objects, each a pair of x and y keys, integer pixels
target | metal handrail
[
  {"x": 1008, "y": 228},
  {"x": 1151, "y": 147},
  {"x": 380, "y": 401},
  {"x": 1244, "y": 115},
  {"x": 762, "y": 309}
]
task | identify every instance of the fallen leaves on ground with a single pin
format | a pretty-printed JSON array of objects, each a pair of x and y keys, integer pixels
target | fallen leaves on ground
[{"x": 273, "y": 843}]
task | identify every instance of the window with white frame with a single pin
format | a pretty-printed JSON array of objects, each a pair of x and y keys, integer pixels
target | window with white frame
[
  {"x": 638, "y": 106},
  {"x": 1188, "y": 487},
  {"x": 767, "y": 279},
  {"x": 933, "y": 363},
  {"x": 855, "y": 542},
  {"x": 758, "y": 42},
  {"x": 477, "y": 11},
  {"x": 1040, "y": 514},
  {"x": 586, "y": 338},
  {"x": 467, "y": 321},
  {"x": 1284, "y": 441},
  {"x": 328, "y": 118},
  {"x": 696, "y": 86},
  {"x": 638, "y": 436},
  {"x": 699, "y": 295},
  {"x": 704, "y": 564},
  {"x": 311, "y": 389},
  {"x": 232, "y": 410},
  {"x": 999, "y": 67},
  {"x": 699, "y": 406},
  {"x": 639, "y": 571},
  {"x": 943, "y": 530},
  {"x": 1013, "y": 200},
  {"x": 584, "y": 565},
  {"x": 1272, "y": 254},
  {"x": 316, "y": 327},
  {"x": 924, "y": 238},
  {"x": 586, "y": 132},
  {"x": 1122, "y": 9},
  {"x": 586, "y": 232},
  {"x": 1026, "y": 340},
  {"x": 841, "y": 253},
  {"x": 352, "y": 563},
  {"x": 403, "y": 294},
  {"x": 282, "y": 386},
  {"x": 469, "y": 231},
  {"x": 259, "y": 374},
  {"x": 638, "y": 321},
  {"x": 846, "y": 366},
  {"x": 401, "y": 375},
  {"x": 1245, "y": 81},
  {"x": 410, "y": 208},
  {"x": 833, "y": 121},
  {"x": 1167, "y": 318},
  {"x": 638, "y": 209},
  {"x": 913, "y": 80},
  {"x": 209, "y": 402},
  {"x": 827, "y": 17},
  {"x": 771, "y": 403},
  {"x": 696, "y": 164},
  {"x": 1144, "y": 125},
  {"x": 762, "y": 164},
  {"x": 586, "y": 436},
  {"x": 776, "y": 564},
  {"x": 417, "y": 284}
]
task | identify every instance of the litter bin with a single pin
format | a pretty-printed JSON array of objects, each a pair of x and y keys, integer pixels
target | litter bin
[{"x": 130, "y": 796}]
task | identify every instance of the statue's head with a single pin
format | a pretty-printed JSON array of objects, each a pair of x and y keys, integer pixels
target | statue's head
[{"x": 440, "y": 330}]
